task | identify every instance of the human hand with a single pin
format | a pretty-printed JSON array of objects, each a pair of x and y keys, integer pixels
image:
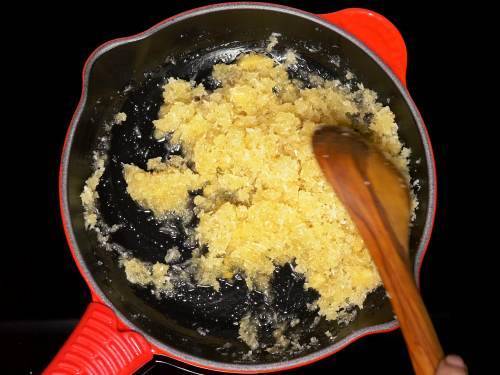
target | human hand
[{"x": 452, "y": 365}]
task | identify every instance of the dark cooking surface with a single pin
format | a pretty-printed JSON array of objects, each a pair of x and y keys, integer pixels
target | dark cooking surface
[{"x": 37, "y": 315}]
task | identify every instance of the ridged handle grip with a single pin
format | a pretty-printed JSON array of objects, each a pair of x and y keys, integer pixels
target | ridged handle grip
[
  {"x": 377, "y": 33},
  {"x": 98, "y": 346}
]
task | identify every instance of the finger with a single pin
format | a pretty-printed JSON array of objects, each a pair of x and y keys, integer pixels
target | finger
[
  {"x": 452, "y": 365},
  {"x": 455, "y": 360}
]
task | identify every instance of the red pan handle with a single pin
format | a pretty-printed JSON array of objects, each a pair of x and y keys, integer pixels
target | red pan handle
[
  {"x": 377, "y": 33},
  {"x": 99, "y": 346}
]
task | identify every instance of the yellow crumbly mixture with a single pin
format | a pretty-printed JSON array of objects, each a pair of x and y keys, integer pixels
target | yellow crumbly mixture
[
  {"x": 140, "y": 273},
  {"x": 165, "y": 188},
  {"x": 89, "y": 194},
  {"x": 120, "y": 117},
  {"x": 265, "y": 201},
  {"x": 247, "y": 332}
]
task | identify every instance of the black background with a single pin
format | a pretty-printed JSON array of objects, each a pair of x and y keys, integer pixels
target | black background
[{"x": 42, "y": 292}]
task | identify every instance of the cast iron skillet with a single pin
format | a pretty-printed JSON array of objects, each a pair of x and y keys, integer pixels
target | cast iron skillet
[{"x": 124, "y": 325}]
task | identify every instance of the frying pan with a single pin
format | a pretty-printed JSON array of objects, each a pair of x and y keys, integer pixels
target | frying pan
[{"x": 124, "y": 326}]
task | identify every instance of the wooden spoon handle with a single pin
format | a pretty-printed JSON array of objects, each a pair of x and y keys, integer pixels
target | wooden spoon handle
[
  {"x": 377, "y": 200},
  {"x": 421, "y": 339}
]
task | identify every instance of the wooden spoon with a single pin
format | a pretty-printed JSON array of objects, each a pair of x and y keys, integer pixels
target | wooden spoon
[{"x": 377, "y": 198}]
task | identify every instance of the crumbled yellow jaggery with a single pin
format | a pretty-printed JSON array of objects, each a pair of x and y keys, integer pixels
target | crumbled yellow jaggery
[
  {"x": 137, "y": 272},
  {"x": 247, "y": 331},
  {"x": 120, "y": 117},
  {"x": 265, "y": 201},
  {"x": 89, "y": 194},
  {"x": 281, "y": 341},
  {"x": 141, "y": 273},
  {"x": 272, "y": 41},
  {"x": 164, "y": 189}
]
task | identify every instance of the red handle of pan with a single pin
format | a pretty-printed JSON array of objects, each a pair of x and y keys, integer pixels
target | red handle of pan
[
  {"x": 101, "y": 344},
  {"x": 377, "y": 33}
]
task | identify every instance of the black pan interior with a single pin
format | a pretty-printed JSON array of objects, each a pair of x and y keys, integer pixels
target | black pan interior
[{"x": 128, "y": 78}]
